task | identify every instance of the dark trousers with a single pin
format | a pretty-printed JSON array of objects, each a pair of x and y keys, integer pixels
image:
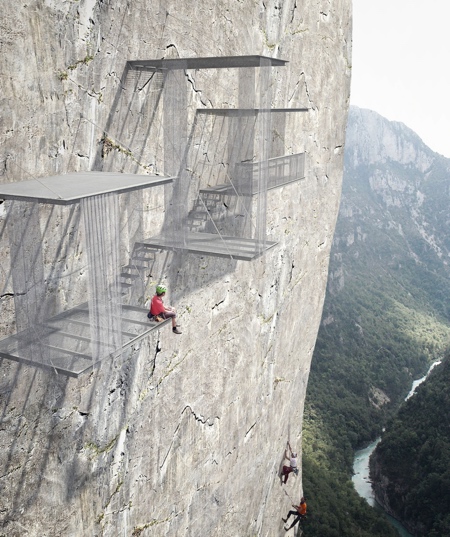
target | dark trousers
[
  {"x": 296, "y": 514},
  {"x": 285, "y": 473}
]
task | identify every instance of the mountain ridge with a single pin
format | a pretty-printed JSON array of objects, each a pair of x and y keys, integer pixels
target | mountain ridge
[
  {"x": 386, "y": 314},
  {"x": 395, "y": 141}
]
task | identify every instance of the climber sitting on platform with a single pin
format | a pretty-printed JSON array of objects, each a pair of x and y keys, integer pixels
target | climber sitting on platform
[{"x": 158, "y": 311}]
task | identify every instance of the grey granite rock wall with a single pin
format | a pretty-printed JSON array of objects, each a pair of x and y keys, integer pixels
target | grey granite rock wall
[{"x": 180, "y": 435}]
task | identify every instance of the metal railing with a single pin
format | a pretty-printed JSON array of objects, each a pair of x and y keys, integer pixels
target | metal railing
[{"x": 281, "y": 171}]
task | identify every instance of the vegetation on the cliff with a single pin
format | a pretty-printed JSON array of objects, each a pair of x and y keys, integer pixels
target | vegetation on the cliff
[
  {"x": 413, "y": 457},
  {"x": 386, "y": 316}
]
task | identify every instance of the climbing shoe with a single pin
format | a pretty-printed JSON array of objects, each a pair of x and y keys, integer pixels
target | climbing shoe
[{"x": 175, "y": 330}]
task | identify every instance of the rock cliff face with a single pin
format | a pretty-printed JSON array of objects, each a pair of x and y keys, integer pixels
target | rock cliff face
[
  {"x": 374, "y": 139},
  {"x": 180, "y": 435},
  {"x": 397, "y": 194}
]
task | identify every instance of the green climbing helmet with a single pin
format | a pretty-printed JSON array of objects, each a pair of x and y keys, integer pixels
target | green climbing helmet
[{"x": 160, "y": 289}]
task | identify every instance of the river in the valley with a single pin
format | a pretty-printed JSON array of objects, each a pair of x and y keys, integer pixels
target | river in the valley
[{"x": 361, "y": 480}]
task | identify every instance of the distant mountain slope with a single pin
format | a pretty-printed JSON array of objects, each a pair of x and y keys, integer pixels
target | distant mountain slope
[
  {"x": 395, "y": 215},
  {"x": 387, "y": 310},
  {"x": 411, "y": 465}
]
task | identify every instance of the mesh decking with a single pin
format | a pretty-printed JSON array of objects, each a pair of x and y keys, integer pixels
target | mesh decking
[
  {"x": 221, "y": 159},
  {"x": 213, "y": 62},
  {"x": 53, "y": 330},
  {"x": 75, "y": 305},
  {"x": 72, "y": 187},
  {"x": 64, "y": 343},
  {"x": 214, "y": 244}
]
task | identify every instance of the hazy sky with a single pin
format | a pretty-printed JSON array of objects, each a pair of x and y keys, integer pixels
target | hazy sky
[{"x": 401, "y": 63}]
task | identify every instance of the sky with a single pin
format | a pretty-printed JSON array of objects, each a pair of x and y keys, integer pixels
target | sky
[{"x": 401, "y": 65}]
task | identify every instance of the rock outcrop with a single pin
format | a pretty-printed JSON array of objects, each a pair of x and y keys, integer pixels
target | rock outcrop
[
  {"x": 397, "y": 192},
  {"x": 180, "y": 435}
]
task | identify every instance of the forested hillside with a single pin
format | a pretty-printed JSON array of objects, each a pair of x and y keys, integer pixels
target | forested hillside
[
  {"x": 411, "y": 465},
  {"x": 386, "y": 314}
]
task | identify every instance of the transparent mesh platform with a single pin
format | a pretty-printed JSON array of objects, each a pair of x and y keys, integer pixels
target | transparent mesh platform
[
  {"x": 80, "y": 297},
  {"x": 223, "y": 157},
  {"x": 91, "y": 262},
  {"x": 212, "y": 62},
  {"x": 64, "y": 343},
  {"x": 72, "y": 187},
  {"x": 213, "y": 244}
]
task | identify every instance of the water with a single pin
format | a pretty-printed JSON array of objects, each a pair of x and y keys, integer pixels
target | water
[
  {"x": 361, "y": 481},
  {"x": 363, "y": 484},
  {"x": 419, "y": 381},
  {"x": 360, "y": 477}
]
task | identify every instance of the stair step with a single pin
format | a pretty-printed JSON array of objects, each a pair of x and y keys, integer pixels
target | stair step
[
  {"x": 143, "y": 259},
  {"x": 135, "y": 267},
  {"x": 200, "y": 216},
  {"x": 129, "y": 275},
  {"x": 143, "y": 248}
]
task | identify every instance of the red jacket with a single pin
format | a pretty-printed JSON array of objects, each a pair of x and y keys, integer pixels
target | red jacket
[{"x": 157, "y": 306}]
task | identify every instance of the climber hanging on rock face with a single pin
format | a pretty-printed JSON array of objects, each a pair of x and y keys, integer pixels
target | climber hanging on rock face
[
  {"x": 299, "y": 513},
  {"x": 158, "y": 311},
  {"x": 292, "y": 456}
]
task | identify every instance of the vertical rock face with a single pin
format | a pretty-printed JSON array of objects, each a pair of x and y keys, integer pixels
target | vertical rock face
[{"x": 180, "y": 435}]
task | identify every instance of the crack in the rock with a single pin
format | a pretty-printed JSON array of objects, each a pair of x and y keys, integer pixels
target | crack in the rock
[
  {"x": 199, "y": 417},
  {"x": 293, "y": 12},
  {"x": 295, "y": 90},
  {"x": 157, "y": 349},
  {"x": 246, "y": 434},
  {"x": 307, "y": 92},
  {"x": 199, "y": 92},
  {"x": 4, "y": 166},
  {"x": 205, "y": 421},
  {"x": 218, "y": 304},
  {"x": 9, "y": 472}
]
